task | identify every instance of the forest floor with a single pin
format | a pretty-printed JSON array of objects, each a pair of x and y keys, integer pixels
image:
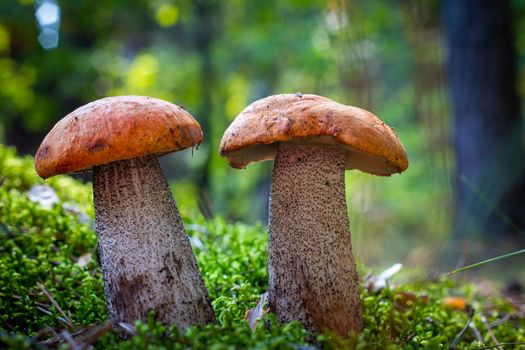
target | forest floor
[{"x": 52, "y": 295}]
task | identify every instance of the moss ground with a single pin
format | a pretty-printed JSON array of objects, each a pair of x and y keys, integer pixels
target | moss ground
[{"x": 51, "y": 254}]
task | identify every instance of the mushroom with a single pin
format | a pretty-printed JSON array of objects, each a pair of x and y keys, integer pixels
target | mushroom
[
  {"x": 146, "y": 257},
  {"x": 311, "y": 270}
]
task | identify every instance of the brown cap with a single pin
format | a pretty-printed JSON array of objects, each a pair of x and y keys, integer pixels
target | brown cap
[
  {"x": 115, "y": 128},
  {"x": 372, "y": 146}
]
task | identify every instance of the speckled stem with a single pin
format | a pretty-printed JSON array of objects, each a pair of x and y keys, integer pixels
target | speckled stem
[
  {"x": 146, "y": 257},
  {"x": 311, "y": 270}
]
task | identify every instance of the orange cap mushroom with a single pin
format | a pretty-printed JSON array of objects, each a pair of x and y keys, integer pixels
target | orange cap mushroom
[
  {"x": 112, "y": 129},
  {"x": 370, "y": 145},
  {"x": 311, "y": 269},
  {"x": 146, "y": 257}
]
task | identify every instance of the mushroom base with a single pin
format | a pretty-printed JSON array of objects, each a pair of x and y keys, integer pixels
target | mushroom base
[
  {"x": 311, "y": 269},
  {"x": 146, "y": 257}
]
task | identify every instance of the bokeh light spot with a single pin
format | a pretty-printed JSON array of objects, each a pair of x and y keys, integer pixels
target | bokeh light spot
[
  {"x": 47, "y": 14},
  {"x": 142, "y": 73},
  {"x": 167, "y": 15},
  {"x": 48, "y": 38},
  {"x": 4, "y": 39}
]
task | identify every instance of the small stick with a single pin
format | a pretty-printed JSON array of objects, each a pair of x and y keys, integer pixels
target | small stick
[
  {"x": 44, "y": 310},
  {"x": 55, "y": 304},
  {"x": 463, "y": 331},
  {"x": 128, "y": 328},
  {"x": 45, "y": 306},
  {"x": 489, "y": 330},
  {"x": 43, "y": 332},
  {"x": 504, "y": 256},
  {"x": 93, "y": 334},
  {"x": 499, "y": 322},
  {"x": 502, "y": 344},
  {"x": 58, "y": 338},
  {"x": 477, "y": 333},
  {"x": 69, "y": 339},
  {"x": 51, "y": 330}
]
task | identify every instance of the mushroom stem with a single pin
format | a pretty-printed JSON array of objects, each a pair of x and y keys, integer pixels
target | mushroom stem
[
  {"x": 146, "y": 257},
  {"x": 311, "y": 269}
]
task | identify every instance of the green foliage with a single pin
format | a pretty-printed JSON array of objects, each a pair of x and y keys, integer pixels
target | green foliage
[
  {"x": 40, "y": 245},
  {"x": 43, "y": 250}
]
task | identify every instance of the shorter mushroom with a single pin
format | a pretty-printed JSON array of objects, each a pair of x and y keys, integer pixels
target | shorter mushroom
[
  {"x": 311, "y": 269},
  {"x": 146, "y": 257}
]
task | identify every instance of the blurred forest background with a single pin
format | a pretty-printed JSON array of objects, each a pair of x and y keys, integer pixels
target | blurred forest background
[{"x": 449, "y": 76}]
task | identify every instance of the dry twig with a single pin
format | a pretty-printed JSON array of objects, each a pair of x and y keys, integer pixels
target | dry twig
[
  {"x": 489, "y": 330},
  {"x": 463, "y": 331},
  {"x": 55, "y": 304}
]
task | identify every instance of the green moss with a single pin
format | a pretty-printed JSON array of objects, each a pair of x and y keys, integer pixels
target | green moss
[{"x": 50, "y": 249}]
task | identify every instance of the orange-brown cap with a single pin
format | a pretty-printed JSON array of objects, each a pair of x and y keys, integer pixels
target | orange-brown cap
[
  {"x": 115, "y": 128},
  {"x": 372, "y": 146}
]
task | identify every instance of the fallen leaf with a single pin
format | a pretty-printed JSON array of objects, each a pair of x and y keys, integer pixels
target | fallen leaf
[
  {"x": 254, "y": 315},
  {"x": 84, "y": 259},
  {"x": 376, "y": 283},
  {"x": 404, "y": 299},
  {"x": 43, "y": 195},
  {"x": 455, "y": 303}
]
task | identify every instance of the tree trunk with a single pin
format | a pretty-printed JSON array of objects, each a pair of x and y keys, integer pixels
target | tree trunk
[
  {"x": 490, "y": 157},
  {"x": 206, "y": 12}
]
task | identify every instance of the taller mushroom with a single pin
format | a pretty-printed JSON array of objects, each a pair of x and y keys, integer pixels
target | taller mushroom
[
  {"x": 311, "y": 269},
  {"x": 146, "y": 257}
]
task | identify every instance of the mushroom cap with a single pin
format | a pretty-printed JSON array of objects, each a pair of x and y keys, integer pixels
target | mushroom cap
[
  {"x": 371, "y": 145},
  {"x": 115, "y": 128}
]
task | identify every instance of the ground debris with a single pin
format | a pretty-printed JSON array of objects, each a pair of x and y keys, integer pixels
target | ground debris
[
  {"x": 79, "y": 339},
  {"x": 376, "y": 283},
  {"x": 254, "y": 315}
]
